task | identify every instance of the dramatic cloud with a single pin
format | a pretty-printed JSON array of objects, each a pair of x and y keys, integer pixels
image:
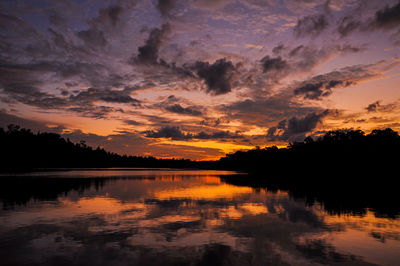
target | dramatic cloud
[
  {"x": 311, "y": 25},
  {"x": 21, "y": 83},
  {"x": 321, "y": 86},
  {"x": 264, "y": 112},
  {"x": 178, "y": 105},
  {"x": 217, "y": 76},
  {"x": 94, "y": 111},
  {"x": 106, "y": 95},
  {"x": 378, "y": 106},
  {"x": 387, "y": 18},
  {"x": 177, "y": 108},
  {"x": 193, "y": 64},
  {"x": 347, "y": 25},
  {"x": 148, "y": 53},
  {"x": 295, "y": 129},
  {"x": 95, "y": 36},
  {"x": 175, "y": 133},
  {"x": 320, "y": 89},
  {"x": 373, "y": 106},
  {"x": 273, "y": 64}
]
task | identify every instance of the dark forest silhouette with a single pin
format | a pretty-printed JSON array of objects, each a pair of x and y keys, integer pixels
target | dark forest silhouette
[
  {"x": 351, "y": 151},
  {"x": 23, "y": 150}
]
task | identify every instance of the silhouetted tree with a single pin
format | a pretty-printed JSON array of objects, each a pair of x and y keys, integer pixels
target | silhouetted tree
[{"x": 22, "y": 150}]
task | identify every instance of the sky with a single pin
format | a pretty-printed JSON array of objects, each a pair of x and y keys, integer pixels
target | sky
[{"x": 198, "y": 79}]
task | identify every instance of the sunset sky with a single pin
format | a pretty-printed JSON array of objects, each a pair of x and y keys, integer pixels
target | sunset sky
[{"x": 198, "y": 78}]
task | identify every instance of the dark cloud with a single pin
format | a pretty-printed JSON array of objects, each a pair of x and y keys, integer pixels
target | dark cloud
[
  {"x": 273, "y": 64},
  {"x": 277, "y": 49},
  {"x": 347, "y": 25},
  {"x": 300, "y": 59},
  {"x": 311, "y": 25},
  {"x": 296, "y": 50},
  {"x": 303, "y": 58},
  {"x": 172, "y": 132},
  {"x": 322, "y": 85},
  {"x": 373, "y": 106},
  {"x": 32, "y": 73},
  {"x": 303, "y": 125},
  {"x": 291, "y": 61},
  {"x": 217, "y": 76},
  {"x": 165, "y": 6},
  {"x": 148, "y": 53},
  {"x": 378, "y": 106},
  {"x": 212, "y": 122},
  {"x": 386, "y": 19},
  {"x": 321, "y": 89},
  {"x": 21, "y": 83},
  {"x": 132, "y": 122},
  {"x": 106, "y": 95},
  {"x": 94, "y": 111},
  {"x": 93, "y": 38},
  {"x": 295, "y": 129},
  {"x": 177, "y": 108},
  {"x": 217, "y": 135},
  {"x": 177, "y": 105},
  {"x": 264, "y": 112},
  {"x": 175, "y": 133}
]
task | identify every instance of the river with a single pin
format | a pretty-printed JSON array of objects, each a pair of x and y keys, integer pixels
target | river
[{"x": 179, "y": 217}]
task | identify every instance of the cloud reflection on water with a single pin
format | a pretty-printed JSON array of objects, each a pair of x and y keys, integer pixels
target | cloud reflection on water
[{"x": 195, "y": 220}]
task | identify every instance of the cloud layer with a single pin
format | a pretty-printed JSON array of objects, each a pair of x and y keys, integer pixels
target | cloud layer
[{"x": 143, "y": 77}]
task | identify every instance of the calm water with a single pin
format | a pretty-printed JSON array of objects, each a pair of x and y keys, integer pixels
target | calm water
[{"x": 158, "y": 217}]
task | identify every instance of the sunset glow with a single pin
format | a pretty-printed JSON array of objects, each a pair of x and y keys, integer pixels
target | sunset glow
[{"x": 198, "y": 79}]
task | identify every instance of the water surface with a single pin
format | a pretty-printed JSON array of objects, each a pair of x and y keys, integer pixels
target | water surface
[{"x": 172, "y": 217}]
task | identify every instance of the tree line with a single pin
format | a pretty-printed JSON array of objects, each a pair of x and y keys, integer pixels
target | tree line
[
  {"x": 335, "y": 151},
  {"x": 22, "y": 149}
]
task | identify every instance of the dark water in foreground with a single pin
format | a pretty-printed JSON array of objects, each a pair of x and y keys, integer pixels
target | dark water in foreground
[{"x": 158, "y": 217}]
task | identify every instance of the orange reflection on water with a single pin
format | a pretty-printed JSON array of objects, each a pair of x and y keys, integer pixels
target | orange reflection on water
[
  {"x": 67, "y": 209},
  {"x": 375, "y": 238},
  {"x": 207, "y": 179},
  {"x": 254, "y": 208},
  {"x": 99, "y": 205},
  {"x": 203, "y": 192},
  {"x": 368, "y": 222}
]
